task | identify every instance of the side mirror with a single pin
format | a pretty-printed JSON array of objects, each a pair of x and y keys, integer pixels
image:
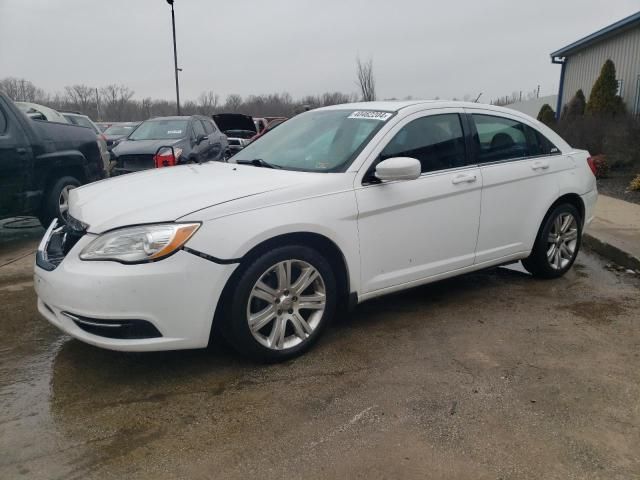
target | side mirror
[
  {"x": 201, "y": 138},
  {"x": 398, "y": 168}
]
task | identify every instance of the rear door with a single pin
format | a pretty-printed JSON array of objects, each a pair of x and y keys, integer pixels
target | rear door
[
  {"x": 416, "y": 229},
  {"x": 519, "y": 168},
  {"x": 15, "y": 164}
]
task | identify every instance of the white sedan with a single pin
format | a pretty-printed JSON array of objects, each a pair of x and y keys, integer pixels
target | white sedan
[{"x": 334, "y": 207}]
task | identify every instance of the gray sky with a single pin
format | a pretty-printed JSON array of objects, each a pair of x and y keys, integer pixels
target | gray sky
[{"x": 422, "y": 48}]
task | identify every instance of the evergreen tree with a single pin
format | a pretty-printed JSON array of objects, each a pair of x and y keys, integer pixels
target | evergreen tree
[
  {"x": 604, "y": 99},
  {"x": 547, "y": 115}
]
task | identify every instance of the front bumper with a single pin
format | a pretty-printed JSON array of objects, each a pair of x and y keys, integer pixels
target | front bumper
[{"x": 178, "y": 296}]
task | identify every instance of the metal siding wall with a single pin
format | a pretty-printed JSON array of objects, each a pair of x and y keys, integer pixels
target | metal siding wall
[{"x": 583, "y": 67}]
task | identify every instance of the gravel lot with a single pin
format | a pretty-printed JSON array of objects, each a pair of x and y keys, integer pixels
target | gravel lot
[
  {"x": 617, "y": 185},
  {"x": 492, "y": 375}
]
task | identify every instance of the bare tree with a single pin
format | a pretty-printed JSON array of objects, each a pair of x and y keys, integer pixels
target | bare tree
[
  {"x": 116, "y": 100},
  {"x": 81, "y": 98},
  {"x": 208, "y": 102},
  {"x": 366, "y": 80},
  {"x": 21, "y": 90},
  {"x": 233, "y": 103}
]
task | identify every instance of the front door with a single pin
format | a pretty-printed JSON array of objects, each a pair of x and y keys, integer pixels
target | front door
[{"x": 416, "y": 229}]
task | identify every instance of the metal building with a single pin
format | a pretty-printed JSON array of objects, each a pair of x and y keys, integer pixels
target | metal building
[{"x": 582, "y": 60}]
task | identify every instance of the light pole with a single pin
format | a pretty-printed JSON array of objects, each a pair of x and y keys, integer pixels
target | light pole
[{"x": 175, "y": 56}]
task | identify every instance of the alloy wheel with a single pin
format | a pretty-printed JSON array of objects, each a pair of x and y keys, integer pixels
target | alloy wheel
[
  {"x": 63, "y": 202},
  {"x": 286, "y": 304},
  {"x": 562, "y": 241}
]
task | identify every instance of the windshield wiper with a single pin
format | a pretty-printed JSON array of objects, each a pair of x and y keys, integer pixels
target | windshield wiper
[{"x": 258, "y": 162}]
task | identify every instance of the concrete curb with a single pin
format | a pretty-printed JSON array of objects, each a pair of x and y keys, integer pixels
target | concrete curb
[{"x": 611, "y": 252}]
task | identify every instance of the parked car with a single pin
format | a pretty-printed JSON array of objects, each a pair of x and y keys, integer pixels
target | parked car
[
  {"x": 260, "y": 124},
  {"x": 84, "y": 121},
  {"x": 238, "y": 128},
  {"x": 40, "y": 112},
  {"x": 270, "y": 126},
  {"x": 103, "y": 125},
  {"x": 40, "y": 162},
  {"x": 334, "y": 207},
  {"x": 168, "y": 141},
  {"x": 118, "y": 132}
]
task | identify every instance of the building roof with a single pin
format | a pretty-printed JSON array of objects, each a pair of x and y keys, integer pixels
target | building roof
[{"x": 613, "y": 29}]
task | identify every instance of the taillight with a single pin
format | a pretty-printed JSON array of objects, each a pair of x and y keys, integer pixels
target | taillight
[
  {"x": 166, "y": 157},
  {"x": 592, "y": 165}
]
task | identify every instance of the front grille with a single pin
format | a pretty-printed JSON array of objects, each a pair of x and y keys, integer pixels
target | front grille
[
  {"x": 120, "y": 329},
  {"x": 134, "y": 163}
]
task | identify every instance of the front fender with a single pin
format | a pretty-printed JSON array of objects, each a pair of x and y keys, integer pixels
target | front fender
[{"x": 334, "y": 217}]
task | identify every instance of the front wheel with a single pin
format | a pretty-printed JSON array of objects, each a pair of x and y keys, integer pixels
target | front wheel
[
  {"x": 557, "y": 244},
  {"x": 281, "y": 304}
]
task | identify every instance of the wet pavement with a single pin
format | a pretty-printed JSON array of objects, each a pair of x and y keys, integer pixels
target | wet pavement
[{"x": 491, "y": 375}]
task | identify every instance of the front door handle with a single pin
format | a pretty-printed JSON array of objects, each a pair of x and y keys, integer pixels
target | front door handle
[
  {"x": 539, "y": 165},
  {"x": 21, "y": 150},
  {"x": 463, "y": 178}
]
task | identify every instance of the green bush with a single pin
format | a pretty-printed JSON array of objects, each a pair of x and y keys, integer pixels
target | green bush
[{"x": 575, "y": 107}]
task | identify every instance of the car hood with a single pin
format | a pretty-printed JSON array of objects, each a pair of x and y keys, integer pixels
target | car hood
[
  {"x": 166, "y": 194},
  {"x": 234, "y": 121},
  {"x": 143, "y": 147}
]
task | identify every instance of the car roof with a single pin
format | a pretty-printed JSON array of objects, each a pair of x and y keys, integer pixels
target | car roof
[
  {"x": 178, "y": 117},
  {"x": 396, "y": 106}
]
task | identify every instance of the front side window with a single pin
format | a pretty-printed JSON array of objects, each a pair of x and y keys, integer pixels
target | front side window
[
  {"x": 208, "y": 126},
  {"x": 437, "y": 141},
  {"x": 3, "y": 123},
  {"x": 316, "y": 141},
  {"x": 198, "y": 129},
  {"x": 160, "y": 130}
]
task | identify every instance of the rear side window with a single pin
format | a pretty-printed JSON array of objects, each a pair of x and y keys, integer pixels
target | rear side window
[
  {"x": 500, "y": 138},
  {"x": 543, "y": 145},
  {"x": 437, "y": 141}
]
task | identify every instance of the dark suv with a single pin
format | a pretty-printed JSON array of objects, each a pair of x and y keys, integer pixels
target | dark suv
[
  {"x": 167, "y": 141},
  {"x": 41, "y": 161}
]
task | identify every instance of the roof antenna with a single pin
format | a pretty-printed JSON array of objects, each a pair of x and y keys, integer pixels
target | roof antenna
[{"x": 477, "y": 98}]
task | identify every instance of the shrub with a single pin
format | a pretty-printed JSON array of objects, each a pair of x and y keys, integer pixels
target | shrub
[
  {"x": 634, "y": 186},
  {"x": 547, "y": 115},
  {"x": 602, "y": 166},
  {"x": 604, "y": 99},
  {"x": 575, "y": 107}
]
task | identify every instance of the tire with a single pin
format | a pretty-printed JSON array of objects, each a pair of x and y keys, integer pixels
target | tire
[
  {"x": 277, "y": 308},
  {"x": 553, "y": 255},
  {"x": 52, "y": 206}
]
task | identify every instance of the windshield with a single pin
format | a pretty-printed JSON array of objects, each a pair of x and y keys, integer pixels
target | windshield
[
  {"x": 160, "y": 130},
  {"x": 316, "y": 141},
  {"x": 119, "y": 129}
]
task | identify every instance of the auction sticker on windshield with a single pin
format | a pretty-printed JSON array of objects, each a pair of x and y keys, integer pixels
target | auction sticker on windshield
[
  {"x": 174, "y": 132},
  {"x": 382, "y": 116}
]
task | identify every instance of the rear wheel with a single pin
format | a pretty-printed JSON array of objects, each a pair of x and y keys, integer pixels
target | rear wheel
[
  {"x": 557, "y": 244},
  {"x": 55, "y": 203},
  {"x": 281, "y": 304}
]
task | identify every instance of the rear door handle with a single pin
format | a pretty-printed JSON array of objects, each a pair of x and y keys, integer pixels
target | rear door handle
[
  {"x": 463, "y": 178},
  {"x": 21, "y": 150},
  {"x": 539, "y": 165}
]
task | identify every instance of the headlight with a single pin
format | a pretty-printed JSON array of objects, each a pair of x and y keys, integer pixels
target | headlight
[{"x": 145, "y": 243}]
